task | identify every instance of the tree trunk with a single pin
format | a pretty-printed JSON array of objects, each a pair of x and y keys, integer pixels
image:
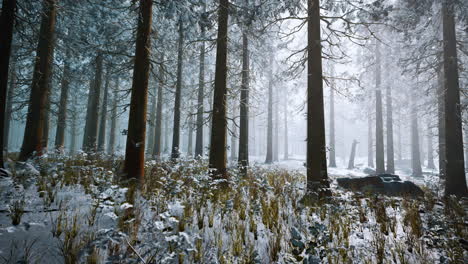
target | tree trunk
[
  {"x": 415, "y": 151},
  {"x": 134, "y": 165},
  {"x": 243, "y": 160},
  {"x": 35, "y": 120},
  {"x": 6, "y": 24},
  {"x": 201, "y": 94},
  {"x": 9, "y": 103},
  {"x": 430, "y": 149},
  {"x": 316, "y": 147},
  {"x": 390, "y": 151},
  {"x": 379, "y": 137},
  {"x": 286, "y": 143},
  {"x": 233, "y": 136},
  {"x": 46, "y": 127},
  {"x": 370, "y": 140},
  {"x": 92, "y": 112},
  {"x": 455, "y": 182},
  {"x": 113, "y": 128},
  {"x": 269, "y": 142},
  {"x": 332, "y": 128},
  {"x": 152, "y": 121},
  {"x": 190, "y": 135},
  {"x": 62, "y": 111},
  {"x": 276, "y": 126},
  {"x": 103, "y": 119},
  {"x": 176, "y": 128},
  {"x": 441, "y": 124},
  {"x": 219, "y": 125},
  {"x": 74, "y": 125},
  {"x": 352, "y": 155},
  {"x": 158, "y": 124}
]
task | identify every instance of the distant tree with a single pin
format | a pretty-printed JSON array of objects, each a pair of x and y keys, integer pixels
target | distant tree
[
  {"x": 178, "y": 93},
  {"x": 103, "y": 115},
  {"x": 352, "y": 155},
  {"x": 134, "y": 164},
  {"x": 62, "y": 110},
  {"x": 157, "y": 149},
  {"x": 269, "y": 142},
  {"x": 379, "y": 135},
  {"x": 34, "y": 130},
  {"x": 92, "y": 111},
  {"x": 114, "y": 118},
  {"x": 332, "y": 162}
]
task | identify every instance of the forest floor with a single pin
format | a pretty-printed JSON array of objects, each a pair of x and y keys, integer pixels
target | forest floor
[{"x": 62, "y": 209}]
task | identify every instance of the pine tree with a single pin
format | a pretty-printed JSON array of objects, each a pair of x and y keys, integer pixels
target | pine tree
[
  {"x": 217, "y": 160},
  {"x": 134, "y": 164},
  {"x": 35, "y": 121}
]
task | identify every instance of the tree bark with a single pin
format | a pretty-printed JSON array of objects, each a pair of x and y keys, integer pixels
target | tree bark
[
  {"x": 176, "y": 128},
  {"x": 152, "y": 122},
  {"x": 92, "y": 112},
  {"x": 332, "y": 163},
  {"x": 114, "y": 121},
  {"x": 379, "y": 137},
  {"x": 190, "y": 135},
  {"x": 34, "y": 130},
  {"x": 455, "y": 183},
  {"x": 9, "y": 103},
  {"x": 103, "y": 119},
  {"x": 62, "y": 111},
  {"x": 415, "y": 150},
  {"x": 74, "y": 125},
  {"x": 201, "y": 94},
  {"x": 243, "y": 160},
  {"x": 217, "y": 159},
  {"x": 234, "y": 135},
  {"x": 269, "y": 142},
  {"x": 430, "y": 149},
  {"x": 441, "y": 124},
  {"x": 370, "y": 140},
  {"x": 134, "y": 165},
  {"x": 390, "y": 151},
  {"x": 286, "y": 143},
  {"x": 6, "y": 24},
  {"x": 316, "y": 147},
  {"x": 158, "y": 124},
  {"x": 352, "y": 155}
]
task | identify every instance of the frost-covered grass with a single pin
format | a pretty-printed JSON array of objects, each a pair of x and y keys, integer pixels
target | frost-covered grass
[{"x": 75, "y": 209}]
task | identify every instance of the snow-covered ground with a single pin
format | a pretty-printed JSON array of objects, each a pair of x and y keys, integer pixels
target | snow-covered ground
[{"x": 75, "y": 210}]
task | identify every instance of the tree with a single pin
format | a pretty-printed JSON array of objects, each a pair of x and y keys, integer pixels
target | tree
[
  {"x": 316, "y": 149},
  {"x": 217, "y": 159},
  {"x": 332, "y": 128},
  {"x": 415, "y": 151},
  {"x": 286, "y": 146},
  {"x": 178, "y": 93},
  {"x": 114, "y": 118},
  {"x": 92, "y": 111},
  {"x": 35, "y": 120},
  {"x": 379, "y": 138},
  {"x": 243, "y": 160},
  {"x": 390, "y": 151},
  {"x": 269, "y": 142},
  {"x": 103, "y": 118},
  {"x": 352, "y": 155},
  {"x": 134, "y": 164},
  {"x": 455, "y": 182},
  {"x": 430, "y": 150},
  {"x": 62, "y": 111},
  {"x": 158, "y": 124},
  {"x": 6, "y": 23},
  {"x": 201, "y": 90}
]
